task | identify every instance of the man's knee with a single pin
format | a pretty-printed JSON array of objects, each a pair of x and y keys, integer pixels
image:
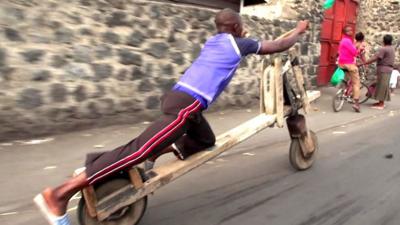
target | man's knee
[
  {"x": 352, "y": 69},
  {"x": 355, "y": 71},
  {"x": 211, "y": 141},
  {"x": 183, "y": 151}
]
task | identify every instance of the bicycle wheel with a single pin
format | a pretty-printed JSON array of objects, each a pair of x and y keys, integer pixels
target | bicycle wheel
[
  {"x": 365, "y": 94},
  {"x": 338, "y": 100}
]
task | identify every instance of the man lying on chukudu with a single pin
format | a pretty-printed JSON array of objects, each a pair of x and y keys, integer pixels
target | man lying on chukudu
[{"x": 182, "y": 128}]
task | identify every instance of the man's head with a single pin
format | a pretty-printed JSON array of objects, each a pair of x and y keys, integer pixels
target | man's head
[
  {"x": 387, "y": 39},
  {"x": 348, "y": 30},
  {"x": 229, "y": 21},
  {"x": 359, "y": 37}
]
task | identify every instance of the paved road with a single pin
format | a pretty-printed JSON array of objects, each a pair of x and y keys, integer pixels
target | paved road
[{"x": 351, "y": 183}]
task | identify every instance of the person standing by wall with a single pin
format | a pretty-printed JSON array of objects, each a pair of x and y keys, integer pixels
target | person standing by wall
[
  {"x": 347, "y": 61},
  {"x": 385, "y": 62}
]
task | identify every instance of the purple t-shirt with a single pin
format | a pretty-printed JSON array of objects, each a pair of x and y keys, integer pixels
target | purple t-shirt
[
  {"x": 248, "y": 46},
  {"x": 214, "y": 68}
]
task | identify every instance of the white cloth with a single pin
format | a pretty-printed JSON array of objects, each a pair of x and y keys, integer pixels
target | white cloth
[
  {"x": 62, "y": 220},
  {"x": 393, "y": 78},
  {"x": 44, "y": 209}
]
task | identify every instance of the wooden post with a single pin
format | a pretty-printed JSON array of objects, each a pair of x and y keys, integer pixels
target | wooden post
[
  {"x": 136, "y": 179},
  {"x": 300, "y": 83},
  {"x": 267, "y": 91},
  {"x": 262, "y": 83},
  {"x": 270, "y": 89},
  {"x": 298, "y": 75},
  {"x": 90, "y": 200},
  {"x": 278, "y": 91},
  {"x": 268, "y": 86}
]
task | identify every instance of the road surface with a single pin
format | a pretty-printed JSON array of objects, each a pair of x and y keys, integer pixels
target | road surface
[{"x": 352, "y": 181}]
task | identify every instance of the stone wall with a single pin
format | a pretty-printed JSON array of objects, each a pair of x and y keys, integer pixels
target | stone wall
[
  {"x": 66, "y": 65},
  {"x": 377, "y": 18},
  {"x": 286, "y": 9}
]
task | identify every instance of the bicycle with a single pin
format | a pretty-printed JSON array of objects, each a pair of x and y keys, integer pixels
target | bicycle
[{"x": 345, "y": 92}]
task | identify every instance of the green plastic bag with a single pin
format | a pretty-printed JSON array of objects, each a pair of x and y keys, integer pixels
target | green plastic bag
[
  {"x": 328, "y": 4},
  {"x": 337, "y": 76}
]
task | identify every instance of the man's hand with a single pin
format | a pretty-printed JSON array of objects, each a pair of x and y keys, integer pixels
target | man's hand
[{"x": 302, "y": 26}]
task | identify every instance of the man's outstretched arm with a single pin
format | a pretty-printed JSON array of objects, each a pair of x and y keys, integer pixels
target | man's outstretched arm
[{"x": 269, "y": 47}]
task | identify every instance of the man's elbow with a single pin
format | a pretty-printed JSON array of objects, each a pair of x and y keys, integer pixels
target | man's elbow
[{"x": 271, "y": 49}]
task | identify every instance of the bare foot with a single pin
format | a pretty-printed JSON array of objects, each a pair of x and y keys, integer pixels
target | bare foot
[
  {"x": 356, "y": 108},
  {"x": 56, "y": 205}
]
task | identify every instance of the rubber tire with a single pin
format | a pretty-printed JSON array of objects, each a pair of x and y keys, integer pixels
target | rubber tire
[
  {"x": 131, "y": 217},
  {"x": 338, "y": 101},
  {"x": 296, "y": 158},
  {"x": 364, "y": 93}
]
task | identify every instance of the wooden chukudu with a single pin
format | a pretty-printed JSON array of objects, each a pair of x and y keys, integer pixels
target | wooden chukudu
[{"x": 122, "y": 199}]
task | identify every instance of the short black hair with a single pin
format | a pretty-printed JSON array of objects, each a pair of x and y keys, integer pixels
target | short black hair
[
  {"x": 360, "y": 36},
  {"x": 387, "y": 39}
]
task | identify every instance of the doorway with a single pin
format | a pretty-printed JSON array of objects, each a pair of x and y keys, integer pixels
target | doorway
[{"x": 344, "y": 12}]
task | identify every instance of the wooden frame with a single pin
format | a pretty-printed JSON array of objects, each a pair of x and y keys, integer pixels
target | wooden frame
[
  {"x": 165, "y": 174},
  {"x": 89, "y": 195},
  {"x": 272, "y": 111}
]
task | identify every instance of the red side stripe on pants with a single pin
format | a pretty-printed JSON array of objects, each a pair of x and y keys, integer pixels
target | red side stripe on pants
[{"x": 149, "y": 145}]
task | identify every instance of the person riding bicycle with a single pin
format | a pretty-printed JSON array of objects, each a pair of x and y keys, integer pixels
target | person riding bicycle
[
  {"x": 347, "y": 61},
  {"x": 182, "y": 127}
]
